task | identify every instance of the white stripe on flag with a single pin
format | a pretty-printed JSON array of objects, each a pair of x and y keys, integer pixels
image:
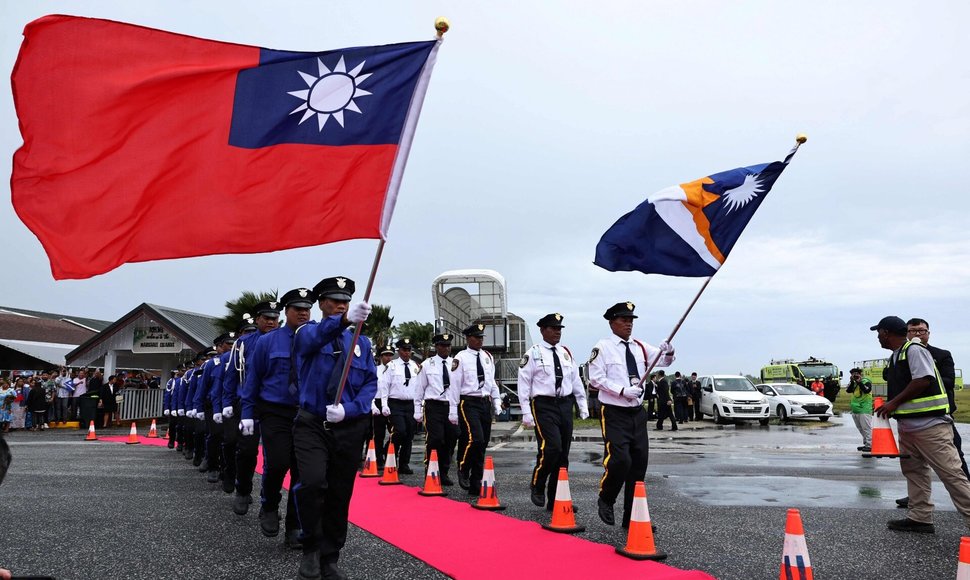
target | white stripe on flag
[{"x": 670, "y": 206}]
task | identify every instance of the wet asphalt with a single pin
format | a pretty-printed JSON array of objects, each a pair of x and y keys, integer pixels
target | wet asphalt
[{"x": 718, "y": 495}]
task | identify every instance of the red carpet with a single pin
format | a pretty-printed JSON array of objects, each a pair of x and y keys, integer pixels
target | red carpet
[{"x": 389, "y": 512}]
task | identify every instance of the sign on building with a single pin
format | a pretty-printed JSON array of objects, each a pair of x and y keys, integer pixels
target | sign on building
[{"x": 154, "y": 339}]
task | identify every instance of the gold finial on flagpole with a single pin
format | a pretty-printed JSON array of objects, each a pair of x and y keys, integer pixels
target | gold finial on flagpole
[
  {"x": 442, "y": 25},
  {"x": 801, "y": 138}
]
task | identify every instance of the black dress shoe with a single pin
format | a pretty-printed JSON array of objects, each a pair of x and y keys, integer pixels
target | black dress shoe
[
  {"x": 310, "y": 566},
  {"x": 228, "y": 485},
  {"x": 538, "y": 496},
  {"x": 902, "y": 502},
  {"x": 332, "y": 572},
  {"x": 909, "y": 525},
  {"x": 463, "y": 480},
  {"x": 446, "y": 481},
  {"x": 203, "y": 466},
  {"x": 198, "y": 460},
  {"x": 405, "y": 470},
  {"x": 294, "y": 539},
  {"x": 269, "y": 523},
  {"x": 171, "y": 445},
  {"x": 240, "y": 504},
  {"x": 605, "y": 512},
  {"x": 212, "y": 477}
]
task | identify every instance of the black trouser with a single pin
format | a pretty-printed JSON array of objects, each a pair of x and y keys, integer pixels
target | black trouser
[
  {"x": 213, "y": 440},
  {"x": 652, "y": 409},
  {"x": 626, "y": 455},
  {"x": 403, "y": 427},
  {"x": 276, "y": 425},
  {"x": 198, "y": 441},
  {"x": 665, "y": 410},
  {"x": 378, "y": 432},
  {"x": 181, "y": 427},
  {"x": 230, "y": 436},
  {"x": 554, "y": 434},
  {"x": 173, "y": 429},
  {"x": 697, "y": 408},
  {"x": 328, "y": 460},
  {"x": 959, "y": 444},
  {"x": 680, "y": 408},
  {"x": 247, "y": 447},
  {"x": 442, "y": 435},
  {"x": 475, "y": 421}
]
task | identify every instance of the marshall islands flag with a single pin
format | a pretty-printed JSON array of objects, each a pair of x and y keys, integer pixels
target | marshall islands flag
[{"x": 688, "y": 229}]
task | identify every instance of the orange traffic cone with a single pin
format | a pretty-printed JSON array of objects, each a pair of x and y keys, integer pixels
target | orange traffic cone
[
  {"x": 639, "y": 540},
  {"x": 883, "y": 441},
  {"x": 92, "y": 436},
  {"x": 432, "y": 481},
  {"x": 963, "y": 566},
  {"x": 390, "y": 468},
  {"x": 152, "y": 432},
  {"x": 370, "y": 462},
  {"x": 133, "y": 435},
  {"x": 488, "y": 497},
  {"x": 563, "y": 516},
  {"x": 795, "y": 564}
]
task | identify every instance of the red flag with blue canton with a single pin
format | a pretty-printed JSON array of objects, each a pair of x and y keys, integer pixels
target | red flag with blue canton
[
  {"x": 688, "y": 229},
  {"x": 143, "y": 145}
]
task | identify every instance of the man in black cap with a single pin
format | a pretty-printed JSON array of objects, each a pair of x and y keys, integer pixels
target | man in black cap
[
  {"x": 397, "y": 402},
  {"x": 549, "y": 387},
  {"x": 918, "y": 402},
  {"x": 616, "y": 366},
  {"x": 227, "y": 396},
  {"x": 431, "y": 390},
  {"x": 472, "y": 388},
  {"x": 331, "y": 424},
  {"x": 212, "y": 402},
  {"x": 270, "y": 394},
  {"x": 247, "y": 446}
]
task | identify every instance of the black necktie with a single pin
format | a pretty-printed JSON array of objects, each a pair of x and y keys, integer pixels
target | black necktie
[
  {"x": 480, "y": 369},
  {"x": 407, "y": 374},
  {"x": 557, "y": 365},
  {"x": 631, "y": 362},
  {"x": 445, "y": 379}
]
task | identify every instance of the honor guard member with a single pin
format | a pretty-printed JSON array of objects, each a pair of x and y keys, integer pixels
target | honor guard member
[
  {"x": 245, "y": 447},
  {"x": 328, "y": 433},
  {"x": 224, "y": 402},
  {"x": 473, "y": 386},
  {"x": 168, "y": 400},
  {"x": 431, "y": 389},
  {"x": 270, "y": 395},
  {"x": 549, "y": 387},
  {"x": 199, "y": 404},
  {"x": 178, "y": 407},
  {"x": 214, "y": 441},
  {"x": 615, "y": 368},
  {"x": 204, "y": 406},
  {"x": 191, "y": 425},
  {"x": 378, "y": 420},
  {"x": 397, "y": 402}
]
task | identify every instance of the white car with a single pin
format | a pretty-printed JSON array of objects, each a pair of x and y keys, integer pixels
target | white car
[
  {"x": 790, "y": 401},
  {"x": 728, "y": 398}
]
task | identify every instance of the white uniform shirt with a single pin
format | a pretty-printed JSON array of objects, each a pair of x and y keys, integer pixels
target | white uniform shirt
[
  {"x": 537, "y": 376},
  {"x": 391, "y": 384},
  {"x": 608, "y": 372},
  {"x": 429, "y": 384},
  {"x": 464, "y": 377}
]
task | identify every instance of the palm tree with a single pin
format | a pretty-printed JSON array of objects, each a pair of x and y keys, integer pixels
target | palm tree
[
  {"x": 242, "y": 305},
  {"x": 378, "y": 325},
  {"x": 420, "y": 333}
]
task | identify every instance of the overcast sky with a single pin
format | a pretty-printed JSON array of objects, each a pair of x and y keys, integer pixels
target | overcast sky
[{"x": 545, "y": 122}]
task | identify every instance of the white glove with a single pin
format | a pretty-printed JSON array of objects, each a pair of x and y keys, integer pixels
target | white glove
[
  {"x": 528, "y": 421},
  {"x": 227, "y": 412},
  {"x": 166, "y": 412},
  {"x": 497, "y": 405},
  {"x": 632, "y": 393},
  {"x": 359, "y": 312},
  {"x": 373, "y": 409},
  {"x": 583, "y": 413},
  {"x": 335, "y": 414},
  {"x": 453, "y": 418},
  {"x": 418, "y": 415},
  {"x": 385, "y": 410},
  {"x": 666, "y": 348},
  {"x": 200, "y": 415},
  {"x": 181, "y": 412},
  {"x": 217, "y": 417},
  {"x": 246, "y": 426}
]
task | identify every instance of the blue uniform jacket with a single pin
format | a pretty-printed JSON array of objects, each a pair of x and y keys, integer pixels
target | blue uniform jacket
[
  {"x": 167, "y": 396},
  {"x": 317, "y": 362},
  {"x": 190, "y": 389},
  {"x": 215, "y": 381},
  {"x": 230, "y": 376},
  {"x": 183, "y": 393},
  {"x": 201, "y": 392},
  {"x": 268, "y": 372}
]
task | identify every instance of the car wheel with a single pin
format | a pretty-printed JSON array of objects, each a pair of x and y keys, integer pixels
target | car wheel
[
  {"x": 782, "y": 413},
  {"x": 823, "y": 419},
  {"x": 717, "y": 417}
]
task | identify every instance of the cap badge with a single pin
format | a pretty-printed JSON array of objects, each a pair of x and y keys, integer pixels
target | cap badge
[
  {"x": 481, "y": 327},
  {"x": 232, "y": 335},
  {"x": 303, "y": 292},
  {"x": 629, "y": 306},
  {"x": 446, "y": 337},
  {"x": 246, "y": 317},
  {"x": 341, "y": 282},
  {"x": 272, "y": 305},
  {"x": 558, "y": 316},
  {"x": 407, "y": 341}
]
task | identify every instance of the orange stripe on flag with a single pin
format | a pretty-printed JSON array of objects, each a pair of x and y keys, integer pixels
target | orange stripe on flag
[{"x": 697, "y": 199}]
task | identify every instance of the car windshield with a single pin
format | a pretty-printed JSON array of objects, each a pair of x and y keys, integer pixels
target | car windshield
[
  {"x": 813, "y": 371},
  {"x": 791, "y": 390},
  {"x": 738, "y": 384}
]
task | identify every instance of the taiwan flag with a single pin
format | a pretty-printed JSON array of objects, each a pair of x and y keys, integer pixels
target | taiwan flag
[
  {"x": 688, "y": 229},
  {"x": 145, "y": 145}
]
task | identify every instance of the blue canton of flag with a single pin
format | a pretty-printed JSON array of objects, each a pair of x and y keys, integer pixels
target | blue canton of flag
[
  {"x": 351, "y": 96},
  {"x": 688, "y": 229}
]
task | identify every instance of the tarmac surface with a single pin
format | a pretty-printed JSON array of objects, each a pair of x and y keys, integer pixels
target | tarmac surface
[{"x": 718, "y": 495}]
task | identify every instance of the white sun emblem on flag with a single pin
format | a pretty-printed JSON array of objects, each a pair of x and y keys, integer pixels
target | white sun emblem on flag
[
  {"x": 742, "y": 194},
  {"x": 331, "y": 93}
]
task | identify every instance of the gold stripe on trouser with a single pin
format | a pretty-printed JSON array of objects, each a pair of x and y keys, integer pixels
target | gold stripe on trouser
[
  {"x": 468, "y": 428},
  {"x": 606, "y": 458},
  {"x": 542, "y": 443}
]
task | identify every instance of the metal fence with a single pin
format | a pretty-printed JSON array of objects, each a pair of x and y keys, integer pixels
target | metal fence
[{"x": 140, "y": 403}]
